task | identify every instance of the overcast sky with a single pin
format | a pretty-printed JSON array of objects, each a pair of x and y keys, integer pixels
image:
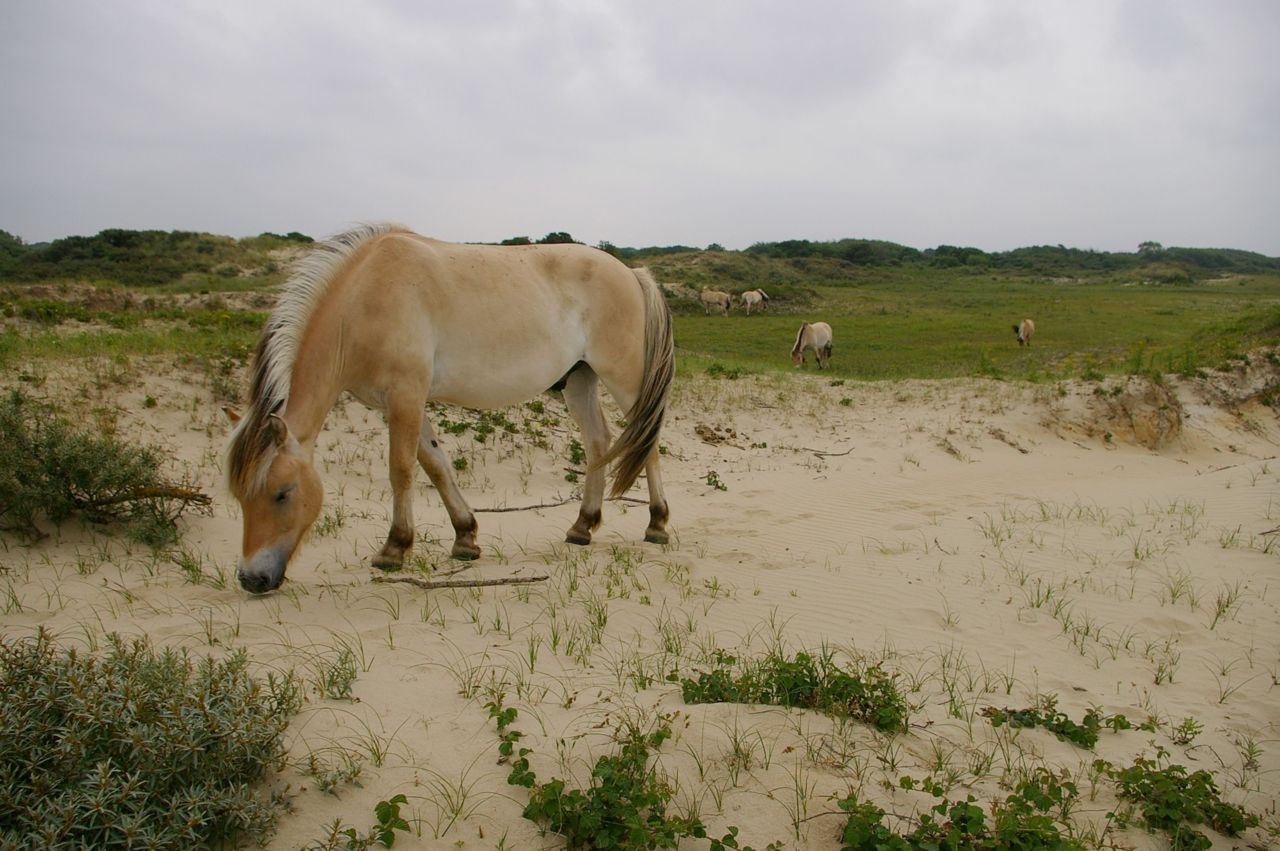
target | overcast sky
[{"x": 993, "y": 124}]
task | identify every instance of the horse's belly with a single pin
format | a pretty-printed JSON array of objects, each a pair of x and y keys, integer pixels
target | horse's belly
[{"x": 496, "y": 384}]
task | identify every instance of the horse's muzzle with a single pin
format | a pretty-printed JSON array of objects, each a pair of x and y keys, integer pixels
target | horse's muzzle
[{"x": 264, "y": 571}]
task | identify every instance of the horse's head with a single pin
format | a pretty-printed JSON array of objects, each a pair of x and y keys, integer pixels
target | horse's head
[{"x": 279, "y": 503}]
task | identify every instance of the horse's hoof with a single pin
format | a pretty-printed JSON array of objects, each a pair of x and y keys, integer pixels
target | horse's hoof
[
  {"x": 385, "y": 562},
  {"x": 579, "y": 538},
  {"x": 652, "y": 537},
  {"x": 462, "y": 552}
]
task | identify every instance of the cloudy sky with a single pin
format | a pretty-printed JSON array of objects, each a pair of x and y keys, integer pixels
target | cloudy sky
[{"x": 992, "y": 123}]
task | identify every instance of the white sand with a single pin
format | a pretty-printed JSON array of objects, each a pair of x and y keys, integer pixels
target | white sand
[{"x": 991, "y": 543}]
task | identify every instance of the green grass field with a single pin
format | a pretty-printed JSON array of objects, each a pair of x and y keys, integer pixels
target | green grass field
[{"x": 932, "y": 330}]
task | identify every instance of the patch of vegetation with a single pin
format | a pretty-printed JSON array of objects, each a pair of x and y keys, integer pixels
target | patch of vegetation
[
  {"x": 624, "y": 807},
  {"x": 1083, "y": 734},
  {"x": 135, "y": 748},
  {"x": 1167, "y": 799},
  {"x": 50, "y": 469},
  {"x": 862, "y": 692},
  {"x": 1027, "y": 819}
]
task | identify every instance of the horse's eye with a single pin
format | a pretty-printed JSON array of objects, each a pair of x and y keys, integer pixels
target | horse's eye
[{"x": 283, "y": 496}]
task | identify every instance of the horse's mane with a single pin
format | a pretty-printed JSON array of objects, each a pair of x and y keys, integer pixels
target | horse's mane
[
  {"x": 278, "y": 347},
  {"x": 799, "y": 338}
]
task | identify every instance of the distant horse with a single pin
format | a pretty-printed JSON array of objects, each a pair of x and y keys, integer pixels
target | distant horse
[
  {"x": 754, "y": 298},
  {"x": 397, "y": 320},
  {"x": 816, "y": 336},
  {"x": 1024, "y": 332},
  {"x": 714, "y": 298}
]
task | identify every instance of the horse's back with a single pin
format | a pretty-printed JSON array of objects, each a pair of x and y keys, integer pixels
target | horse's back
[{"x": 493, "y": 325}]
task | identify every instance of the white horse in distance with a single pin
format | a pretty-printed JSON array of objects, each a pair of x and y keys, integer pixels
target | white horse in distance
[
  {"x": 1024, "y": 332},
  {"x": 816, "y": 336},
  {"x": 754, "y": 298}
]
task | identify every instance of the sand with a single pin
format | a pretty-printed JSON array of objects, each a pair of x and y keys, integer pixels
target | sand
[{"x": 992, "y": 544}]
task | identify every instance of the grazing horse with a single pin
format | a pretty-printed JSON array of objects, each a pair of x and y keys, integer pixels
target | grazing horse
[
  {"x": 397, "y": 320},
  {"x": 816, "y": 336},
  {"x": 1024, "y": 332},
  {"x": 754, "y": 298},
  {"x": 714, "y": 298}
]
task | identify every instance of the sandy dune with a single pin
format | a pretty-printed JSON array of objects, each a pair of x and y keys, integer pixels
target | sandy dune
[{"x": 990, "y": 543}]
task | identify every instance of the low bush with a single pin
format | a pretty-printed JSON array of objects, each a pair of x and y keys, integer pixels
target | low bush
[
  {"x": 134, "y": 748},
  {"x": 50, "y": 469}
]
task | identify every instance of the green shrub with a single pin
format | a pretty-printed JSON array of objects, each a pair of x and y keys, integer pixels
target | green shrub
[
  {"x": 134, "y": 748},
  {"x": 49, "y": 469}
]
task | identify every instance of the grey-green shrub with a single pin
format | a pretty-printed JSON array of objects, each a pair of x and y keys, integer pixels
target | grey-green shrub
[{"x": 134, "y": 748}]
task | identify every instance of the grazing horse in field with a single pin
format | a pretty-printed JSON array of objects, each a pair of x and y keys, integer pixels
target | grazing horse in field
[
  {"x": 714, "y": 298},
  {"x": 397, "y": 320},
  {"x": 754, "y": 298},
  {"x": 816, "y": 336},
  {"x": 1024, "y": 332}
]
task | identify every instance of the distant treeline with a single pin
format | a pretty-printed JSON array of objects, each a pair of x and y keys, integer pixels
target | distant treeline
[
  {"x": 152, "y": 257},
  {"x": 140, "y": 257}
]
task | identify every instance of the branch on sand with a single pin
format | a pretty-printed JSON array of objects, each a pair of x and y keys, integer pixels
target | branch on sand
[{"x": 458, "y": 583}]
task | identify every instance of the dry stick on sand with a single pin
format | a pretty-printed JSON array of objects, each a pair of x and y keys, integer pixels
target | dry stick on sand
[
  {"x": 458, "y": 583},
  {"x": 564, "y": 501}
]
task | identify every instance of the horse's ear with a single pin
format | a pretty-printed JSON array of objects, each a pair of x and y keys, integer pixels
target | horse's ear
[
  {"x": 232, "y": 414},
  {"x": 279, "y": 430}
]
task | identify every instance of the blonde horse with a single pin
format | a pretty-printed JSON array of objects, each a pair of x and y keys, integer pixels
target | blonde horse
[
  {"x": 1024, "y": 332},
  {"x": 816, "y": 336},
  {"x": 754, "y": 298},
  {"x": 397, "y": 320},
  {"x": 714, "y": 298}
]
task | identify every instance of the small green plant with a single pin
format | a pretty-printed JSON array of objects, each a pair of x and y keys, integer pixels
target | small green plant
[
  {"x": 1185, "y": 733},
  {"x": 863, "y": 693},
  {"x": 577, "y": 454},
  {"x": 343, "y": 838},
  {"x": 713, "y": 480},
  {"x": 1167, "y": 799},
  {"x": 135, "y": 748},
  {"x": 719, "y": 370}
]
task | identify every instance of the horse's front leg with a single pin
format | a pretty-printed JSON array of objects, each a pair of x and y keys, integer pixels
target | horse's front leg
[
  {"x": 440, "y": 469},
  {"x": 404, "y": 422}
]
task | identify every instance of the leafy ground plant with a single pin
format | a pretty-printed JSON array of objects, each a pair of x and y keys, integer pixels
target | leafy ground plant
[
  {"x": 1168, "y": 799},
  {"x": 863, "y": 693},
  {"x": 625, "y": 805},
  {"x": 134, "y": 748},
  {"x": 50, "y": 469},
  {"x": 1024, "y": 820},
  {"x": 1083, "y": 734}
]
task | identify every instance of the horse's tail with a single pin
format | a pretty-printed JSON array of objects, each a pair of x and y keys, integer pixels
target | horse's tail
[{"x": 644, "y": 420}]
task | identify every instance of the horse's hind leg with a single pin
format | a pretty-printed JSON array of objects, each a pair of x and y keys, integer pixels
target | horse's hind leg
[
  {"x": 440, "y": 470},
  {"x": 656, "y": 533},
  {"x": 582, "y": 398}
]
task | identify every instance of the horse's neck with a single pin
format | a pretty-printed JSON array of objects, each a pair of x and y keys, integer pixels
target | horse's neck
[{"x": 314, "y": 382}]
